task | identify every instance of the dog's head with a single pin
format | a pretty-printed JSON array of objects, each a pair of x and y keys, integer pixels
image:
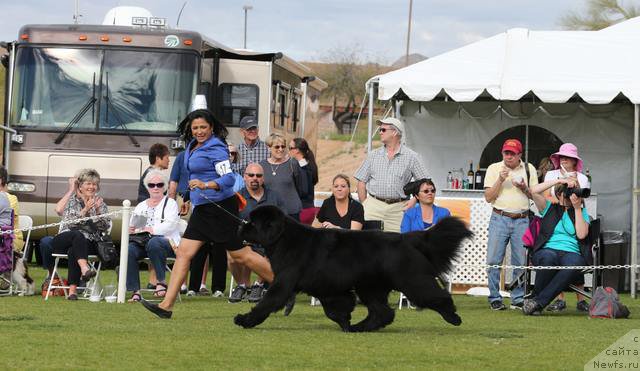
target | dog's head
[{"x": 265, "y": 227}]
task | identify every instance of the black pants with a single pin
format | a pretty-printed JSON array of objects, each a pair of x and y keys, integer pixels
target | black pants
[
  {"x": 218, "y": 259},
  {"x": 76, "y": 246}
]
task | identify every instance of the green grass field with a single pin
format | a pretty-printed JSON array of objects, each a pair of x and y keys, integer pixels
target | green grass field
[{"x": 81, "y": 335}]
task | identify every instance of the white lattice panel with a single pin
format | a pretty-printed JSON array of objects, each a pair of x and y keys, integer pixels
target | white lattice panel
[{"x": 475, "y": 251}]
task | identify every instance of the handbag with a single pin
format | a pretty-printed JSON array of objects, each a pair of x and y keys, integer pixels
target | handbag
[
  {"x": 107, "y": 251},
  {"x": 140, "y": 239}
]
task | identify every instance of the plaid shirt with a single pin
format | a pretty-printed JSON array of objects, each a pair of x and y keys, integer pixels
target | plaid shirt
[
  {"x": 385, "y": 178},
  {"x": 256, "y": 153}
]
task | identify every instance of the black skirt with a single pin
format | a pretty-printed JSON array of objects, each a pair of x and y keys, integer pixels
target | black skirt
[{"x": 209, "y": 223}]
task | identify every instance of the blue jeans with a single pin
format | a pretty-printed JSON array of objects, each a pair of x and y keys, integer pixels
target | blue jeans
[
  {"x": 549, "y": 283},
  {"x": 158, "y": 249},
  {"x": 504, "y": 230}
]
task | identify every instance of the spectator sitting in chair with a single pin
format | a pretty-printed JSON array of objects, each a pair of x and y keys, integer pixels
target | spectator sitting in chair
[
  {"x": 256, "y": 195},
  {"x": 160, "y": 234},
  {"x": 340, "y": 210},
  {"x": 6, "y": 223},
  {"x": 425, "y": 213},
  {"x": 562, "y": 241},
  {"x": 79, "y": 239}
]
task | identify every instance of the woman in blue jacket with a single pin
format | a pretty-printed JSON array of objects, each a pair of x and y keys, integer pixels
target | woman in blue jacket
[
  {"x": 215, "y": 214},
  {"x": 425, "y": 213}
]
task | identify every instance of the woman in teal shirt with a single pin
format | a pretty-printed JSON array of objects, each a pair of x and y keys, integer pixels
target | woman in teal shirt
[{"x": 562, "y": 241}]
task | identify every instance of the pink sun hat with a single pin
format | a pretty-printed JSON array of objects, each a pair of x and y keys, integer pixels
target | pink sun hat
[{"x": 567, "y": 150}]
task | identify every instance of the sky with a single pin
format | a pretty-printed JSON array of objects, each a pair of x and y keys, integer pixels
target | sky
[{"x": 311, "y": 30}]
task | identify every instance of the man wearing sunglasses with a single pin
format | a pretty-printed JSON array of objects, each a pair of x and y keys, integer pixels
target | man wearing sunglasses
[
  {"x": 384, "y": 173},
  {"x": 256, "y": 195},
  {"x": 251, "y": 149}
]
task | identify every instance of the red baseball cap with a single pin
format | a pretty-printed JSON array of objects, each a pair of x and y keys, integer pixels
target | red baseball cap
[{"x": 512, "y": 145}]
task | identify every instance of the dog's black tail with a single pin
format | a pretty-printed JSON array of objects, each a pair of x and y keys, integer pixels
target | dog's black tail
[{"x": 444, "y": 242}]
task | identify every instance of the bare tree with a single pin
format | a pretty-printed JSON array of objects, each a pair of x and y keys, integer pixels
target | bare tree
[{"x": 599, "y": 14}]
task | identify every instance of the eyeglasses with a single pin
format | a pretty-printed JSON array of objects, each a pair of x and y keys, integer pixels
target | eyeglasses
[
  {"x": 427, "y": 191},
  {"x": 251, "y": 175},
  {"x": 279, "y": 147},
  {"x": 155, "y": 185}
]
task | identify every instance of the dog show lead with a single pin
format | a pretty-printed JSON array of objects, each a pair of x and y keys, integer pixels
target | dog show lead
[{"x": 215, "y": 215}]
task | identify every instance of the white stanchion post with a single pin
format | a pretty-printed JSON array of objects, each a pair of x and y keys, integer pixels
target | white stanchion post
[{"x": 124, "y": 251}]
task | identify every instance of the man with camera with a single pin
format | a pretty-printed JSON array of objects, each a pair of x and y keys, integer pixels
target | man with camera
[
  {"x": 510, "y": 217},
  {"x": 562, "y": 240}
]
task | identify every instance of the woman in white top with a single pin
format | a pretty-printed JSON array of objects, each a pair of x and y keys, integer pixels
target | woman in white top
[
  {"x": 162, "y": 230},
  {"x": 567, "y": 164}
]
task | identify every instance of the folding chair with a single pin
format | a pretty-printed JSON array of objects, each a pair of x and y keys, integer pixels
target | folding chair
[
  {"x": 595, "y": 237},
  {"x": 167, "y": 268},
  {"x": 25, "y": 221},
  {"x": 94, "y": 263}
]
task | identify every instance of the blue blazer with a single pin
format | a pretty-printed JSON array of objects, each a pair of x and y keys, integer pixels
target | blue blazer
[
  {"x": 412, "y": 219},
  {"x": 210, "y": 162}
]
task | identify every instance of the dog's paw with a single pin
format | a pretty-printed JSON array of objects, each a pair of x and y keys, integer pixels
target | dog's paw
[
  {"x": 244, "y": 320},
  {"x": 453, "y": 318}
]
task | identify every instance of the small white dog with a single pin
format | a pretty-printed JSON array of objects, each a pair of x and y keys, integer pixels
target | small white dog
[{"x": 21, "y": 277}]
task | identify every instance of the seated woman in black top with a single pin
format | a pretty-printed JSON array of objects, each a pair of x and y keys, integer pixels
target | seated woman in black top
[{"x": 340, "y": 210}]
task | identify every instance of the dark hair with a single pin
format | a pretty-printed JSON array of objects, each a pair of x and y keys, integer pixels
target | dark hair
[
  {"x": 219, "y": 130},
  {"x": 4, "y": 176},
  {"x": 157, "y": 150},
  {"x": 559, "y": 190},
  {"x": 307, "y": 153},
  {"x": 346, "y": 179},
  {"x": 413, "y": 188}
]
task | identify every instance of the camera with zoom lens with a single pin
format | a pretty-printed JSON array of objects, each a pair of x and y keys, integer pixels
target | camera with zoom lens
[{"x": 580, "y": 192}]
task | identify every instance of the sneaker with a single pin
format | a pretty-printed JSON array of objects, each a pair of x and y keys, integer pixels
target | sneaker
[
  {"x": 203, "y": 292},
  {"x": 516, "y": 305},
  {"x": 256, "y": 293},
  {"x": 191, "y": 293},
  {"x": 557, "y": 306},
  {"x": 183, "y": 289},
  {"x": 531, "y": 308},
  {"x": 238, "y": 294},
  {"x": 497, "y": 305},
  {"x": 582, "y": 306},
  {"x": 217, "y": 294}
]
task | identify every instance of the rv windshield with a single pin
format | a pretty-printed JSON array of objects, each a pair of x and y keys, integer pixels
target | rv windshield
[{"x": 135, "y": 90}]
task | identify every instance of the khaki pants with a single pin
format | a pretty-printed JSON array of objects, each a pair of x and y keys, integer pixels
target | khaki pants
[{"x": 390, "y": 214}]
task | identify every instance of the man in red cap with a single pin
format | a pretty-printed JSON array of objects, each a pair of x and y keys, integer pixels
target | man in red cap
[{"x": 509, "y": 219}]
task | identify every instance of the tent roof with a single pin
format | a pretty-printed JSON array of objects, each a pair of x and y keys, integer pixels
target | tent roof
[{"x": 597, "y": 66}]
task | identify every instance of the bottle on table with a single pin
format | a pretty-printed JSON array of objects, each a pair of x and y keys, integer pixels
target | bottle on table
[
  {"x": 478, "y": 180},
  {"x": 449, "y": 180},
  {"x": 588, "y": 175},
  {"x": 470, "y": 177}
]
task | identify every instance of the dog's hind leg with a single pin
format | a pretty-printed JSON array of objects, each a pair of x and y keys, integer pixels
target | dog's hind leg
[
  {"x": 338, "y": 308},
  {"x": 425, "y": 292},
  {"x": 275, "y": 299},
  {"x": 380, "y": 313}
]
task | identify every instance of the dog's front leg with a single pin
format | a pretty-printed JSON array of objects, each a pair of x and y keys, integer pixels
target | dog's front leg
[{"x": 281, "y": 289}]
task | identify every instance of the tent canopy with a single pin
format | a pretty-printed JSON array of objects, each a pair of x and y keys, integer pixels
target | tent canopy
[{"x": 597, "y": 66}]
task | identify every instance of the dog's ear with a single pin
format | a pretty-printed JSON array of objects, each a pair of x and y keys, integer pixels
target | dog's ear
[{"x": 269, "y": 222}]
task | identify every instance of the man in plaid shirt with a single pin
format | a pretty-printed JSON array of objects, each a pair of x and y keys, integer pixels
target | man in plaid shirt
[
  {"x": 384, "y": 173},
  {"x": 251, "y": 149}
]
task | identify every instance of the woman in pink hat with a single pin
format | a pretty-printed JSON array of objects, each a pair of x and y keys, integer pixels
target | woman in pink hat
[{"x": 567, "y": 164}]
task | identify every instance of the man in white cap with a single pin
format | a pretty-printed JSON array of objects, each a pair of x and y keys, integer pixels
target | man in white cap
[
  {"x": 385, "y": 172},
  {"x": 251, "y": 149}
]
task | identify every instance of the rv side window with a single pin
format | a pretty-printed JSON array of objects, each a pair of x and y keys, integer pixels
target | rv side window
[
  {"x": 282, "y": 104},
  {"x": 295, "y": 113},
  {"x": 237, "y": 101}
]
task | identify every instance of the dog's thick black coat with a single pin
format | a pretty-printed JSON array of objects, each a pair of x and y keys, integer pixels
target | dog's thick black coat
[{"x": 330, "y": 264}]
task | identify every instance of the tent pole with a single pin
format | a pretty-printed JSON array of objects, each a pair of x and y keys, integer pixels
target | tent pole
[
  {"x": 370, "y": 116},
  {"x": 634, "y": 198}
]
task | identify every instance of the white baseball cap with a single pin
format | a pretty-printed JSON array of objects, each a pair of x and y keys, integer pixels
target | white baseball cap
[{"x": 399, "y": 126}]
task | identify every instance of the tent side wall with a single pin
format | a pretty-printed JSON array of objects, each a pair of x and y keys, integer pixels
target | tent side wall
[{"x": 450, "y": 135}]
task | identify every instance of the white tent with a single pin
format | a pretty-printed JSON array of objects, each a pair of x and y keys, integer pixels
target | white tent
[{"x": 584, "y": 86}]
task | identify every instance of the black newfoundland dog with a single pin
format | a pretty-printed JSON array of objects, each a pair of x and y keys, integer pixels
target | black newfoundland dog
[{"x": 330, "y": 264}]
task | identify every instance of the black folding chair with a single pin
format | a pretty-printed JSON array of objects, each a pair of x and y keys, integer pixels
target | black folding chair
[{"x": 373, "y": 225}]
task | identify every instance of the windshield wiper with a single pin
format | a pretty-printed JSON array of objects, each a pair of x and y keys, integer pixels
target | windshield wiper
[
  {"x": 115, "y": 113},
  {"x": 83, "y": 111}
]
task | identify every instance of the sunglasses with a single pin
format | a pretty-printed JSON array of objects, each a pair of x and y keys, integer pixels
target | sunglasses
[
  {"x": 251, "y": 175},
  {"x": 279, "y": 147},
  {"x": 382, "y": 130},
  {"x": 427, "y": 191},
  {"x": 155, "y": 185}
]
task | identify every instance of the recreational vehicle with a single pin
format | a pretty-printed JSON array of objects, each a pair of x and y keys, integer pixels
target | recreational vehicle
[{"x": 100, "y": 95}]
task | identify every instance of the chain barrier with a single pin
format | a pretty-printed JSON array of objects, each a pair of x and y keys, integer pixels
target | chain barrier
[{"x": 473, "y": 266}]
